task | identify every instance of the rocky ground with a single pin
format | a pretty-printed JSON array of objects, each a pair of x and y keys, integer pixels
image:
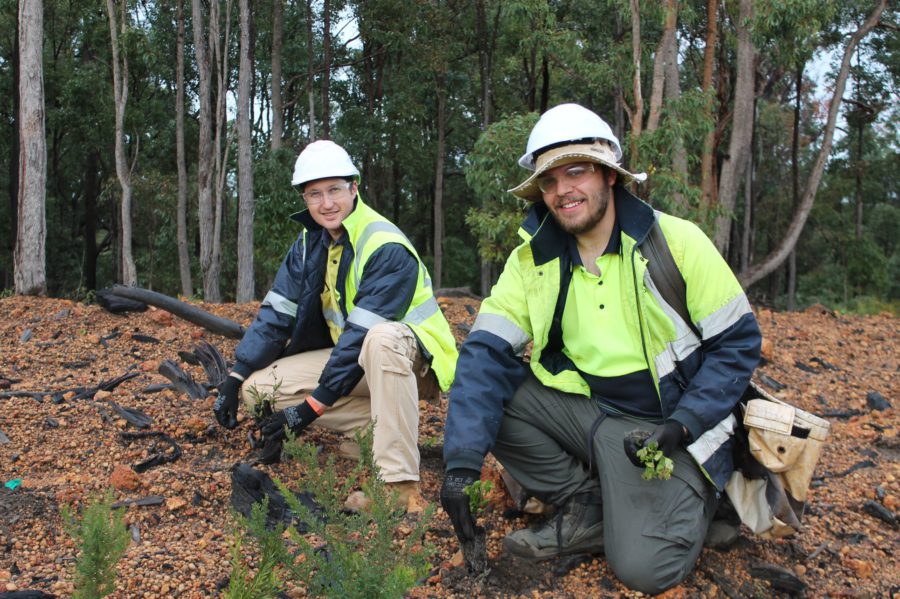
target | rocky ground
[{"x": 66, "y": 447}]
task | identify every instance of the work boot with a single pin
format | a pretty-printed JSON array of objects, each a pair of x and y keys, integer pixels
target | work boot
[
  {"x": 408, "y": 498},
  {"x": 576, "y": 528}
]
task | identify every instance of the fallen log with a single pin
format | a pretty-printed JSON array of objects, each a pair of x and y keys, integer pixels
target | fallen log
[{"x": 211, "y": 322}]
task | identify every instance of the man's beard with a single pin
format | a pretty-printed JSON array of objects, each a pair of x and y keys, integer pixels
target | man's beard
[{"x": 600, "y": 201}]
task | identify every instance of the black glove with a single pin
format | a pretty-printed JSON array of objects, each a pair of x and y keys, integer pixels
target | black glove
[
  {"x": 226, "y": 405},
  {"x": 456, "y": 503},
  {"x": 668, "y": 437},
  {"x": 295, "y": 418}
]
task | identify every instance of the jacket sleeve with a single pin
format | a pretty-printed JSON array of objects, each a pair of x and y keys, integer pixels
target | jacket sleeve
[
  {"x": 489, "y": 370},
  {"x": 264, "y": 340},
  {"x": 730, "y": 346},
  {"x": 385, "y": 293}
]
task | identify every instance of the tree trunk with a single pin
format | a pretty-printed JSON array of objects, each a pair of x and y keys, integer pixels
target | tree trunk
[
  {"x": 277, "y": 103},
  {"x": 749, "y": 194},
  {"x": 245, "y": 291},
  {"x": 31, "y": 233},
  {"x": 673, "y": 93},
  {"x": 780, "y": 253},
  {"x": 326, "y": 69},
  {"x": 735, "y": 163},
  {"x": 310, "y": 71},
  {"x": 127, "y": 270},
  {"x": 184, "y": 259},
  {"x": 795, "y": 185},
  {"x": 661, "y": 60},
  {"x": 707, "y": 162},
  {"x": 437, "y": 275},
  {"x": 637, "y": 115},
  {"x": 206, "y": 212},
  {"x": 91, "y": 191}
]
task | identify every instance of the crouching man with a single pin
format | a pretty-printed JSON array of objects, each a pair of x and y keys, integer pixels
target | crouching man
[
  {"x": 350, "y": 331},
  {"x": 610, "y": 356}
]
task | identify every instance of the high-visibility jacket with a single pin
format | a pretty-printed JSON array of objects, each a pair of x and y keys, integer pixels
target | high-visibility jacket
[
  {"x": 699, "y": 380},
  {"x": 380, "y": 278}
]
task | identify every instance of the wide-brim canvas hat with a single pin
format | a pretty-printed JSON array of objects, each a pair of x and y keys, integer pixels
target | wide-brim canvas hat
[{"x": 598, "y": 152}]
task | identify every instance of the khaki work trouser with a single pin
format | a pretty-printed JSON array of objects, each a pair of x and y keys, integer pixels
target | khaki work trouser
[{"x": 388, "y": 393}]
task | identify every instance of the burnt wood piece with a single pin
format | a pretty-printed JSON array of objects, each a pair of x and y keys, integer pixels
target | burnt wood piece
[
  {"x": 157, "y": 387},
  {"x": 183, "y": 381},
  {"x": 221, "y": 326},
  {"x": 142, "y": 501},
  {"x": 771, "y": 383},
  {"x": 850, "y": 470},
  {"x": 780, "y": 578},
  {"x": 189, "y": 358},
  {"x": 842, "y": 414},
  {"x": 875, "y": 509},
  {"x": 250, "y": 486},
  {"x": 80, "y": 392},
  {"x": 118, "y": 304},
  {"x": 132, "y": 415},
  {"x": 144, "y": 338},
  {"x": 213, "y": 363},
  {"x": 158, "y": 458}
]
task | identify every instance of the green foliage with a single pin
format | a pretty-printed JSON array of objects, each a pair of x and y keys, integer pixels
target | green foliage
[
  {"x": 265, "y": 582},
  {"x": 341, "y": 554},
  {"x": 656, "y": 464},
  {"x": 353, "y": 555},
  {"x": 477, "y": 493},
  {"x": 263, "y": 401},
  {"x": 490, "y": 171},
  {"x": 101, "y": 538}
]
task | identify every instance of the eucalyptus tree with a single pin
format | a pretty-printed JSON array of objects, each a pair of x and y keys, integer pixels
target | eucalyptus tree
[
  {"x": 245, "y": 278},
  {"x": 31, "y": 233}
]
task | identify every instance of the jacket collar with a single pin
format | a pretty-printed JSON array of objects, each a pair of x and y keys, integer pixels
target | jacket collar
[{"x": 548, "y": 242}]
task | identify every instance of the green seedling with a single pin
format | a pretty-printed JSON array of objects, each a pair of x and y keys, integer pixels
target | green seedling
[
  {"x": 477, "y": 493},
  {"x": 656, "y": 464},
  {"x": 263, "y": 401}
]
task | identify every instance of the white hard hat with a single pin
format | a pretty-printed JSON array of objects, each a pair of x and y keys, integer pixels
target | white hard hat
[
  {"x": 323, "y": 159},
  {"x": 567, "y": 123},
  {"x": 564, "y": 134}
]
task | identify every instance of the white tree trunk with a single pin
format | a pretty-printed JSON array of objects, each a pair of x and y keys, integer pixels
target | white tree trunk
[
  {"x": 128, "y": 271},
  {"x": 277, "y": 103},
  {"x": 184, "y": 259},
  {"x": 245, "y": 291},
  {"x": 741, "y": 127},
  {"x": 30, "y": 253},
  {"x": 780, "y": 253},
  {"x": 206, "y": 212}
]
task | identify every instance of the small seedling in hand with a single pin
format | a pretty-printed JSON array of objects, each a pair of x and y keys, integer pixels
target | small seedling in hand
[
  {"x": 656, "y": 464},
  {"x": 477, "y": 493}
]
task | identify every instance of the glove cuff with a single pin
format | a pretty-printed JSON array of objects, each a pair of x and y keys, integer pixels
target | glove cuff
[{"x": 299, "y": 416}]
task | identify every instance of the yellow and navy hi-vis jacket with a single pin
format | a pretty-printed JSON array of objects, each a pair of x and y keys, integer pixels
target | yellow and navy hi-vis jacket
[
  {"x": 380, "y": 278},
  {"x": 699, "y": 381}
]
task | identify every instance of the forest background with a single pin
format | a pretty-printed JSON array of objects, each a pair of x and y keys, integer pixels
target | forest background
[{"x": 151, "y": 142}]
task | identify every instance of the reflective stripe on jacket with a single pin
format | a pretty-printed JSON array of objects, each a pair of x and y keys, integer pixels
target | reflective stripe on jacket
[
  {"x": 380, "y": 278},
  {"x": 699, "y": 381}
]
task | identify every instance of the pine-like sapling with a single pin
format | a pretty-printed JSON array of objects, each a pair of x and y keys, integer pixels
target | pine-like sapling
[{"x": 101, "y": 538}]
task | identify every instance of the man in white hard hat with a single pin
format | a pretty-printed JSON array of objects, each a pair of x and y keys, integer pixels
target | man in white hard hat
[
  {"x": 610, "y": 356},
  {"x": 350, "y": 331}
]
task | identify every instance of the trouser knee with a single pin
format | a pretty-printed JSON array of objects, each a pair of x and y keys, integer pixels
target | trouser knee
[
  {"x": 388, "y": 346},
  {"x": 654, "y": 572}
]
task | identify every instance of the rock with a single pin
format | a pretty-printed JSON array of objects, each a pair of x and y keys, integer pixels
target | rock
[
  {"x": 123, "y": 478},
  {"x": 102, "y": 395},
  {"x": 861, "y": 568},
  {"x": 876, "y": 401},
  {"x": 150, "y": 366},
  {"x": 161, "y": 317},
  {"x": 175, "y": 503},
  {"x": 196, "y": 425}
]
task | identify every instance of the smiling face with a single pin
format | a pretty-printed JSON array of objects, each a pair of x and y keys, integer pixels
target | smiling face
[
  {"x": 330, "y": 201},
  {"x": 578, "y": 195}
]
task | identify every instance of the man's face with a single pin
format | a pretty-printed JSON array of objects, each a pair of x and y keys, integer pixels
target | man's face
[
  {"x": 330, "y": 201},
  {"x": 577, "y": 195}
]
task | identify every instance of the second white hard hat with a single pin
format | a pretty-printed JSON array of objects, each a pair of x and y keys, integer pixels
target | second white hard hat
[
  {"x": 323, "y": 159},
  {"x": 564, "y": 134}
]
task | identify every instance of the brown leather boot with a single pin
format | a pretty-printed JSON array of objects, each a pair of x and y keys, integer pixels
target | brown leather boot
[{"x": 404, "y": 494}]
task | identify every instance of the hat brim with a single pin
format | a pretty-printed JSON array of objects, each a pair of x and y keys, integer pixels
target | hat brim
[{"x": 597, "y": 153}]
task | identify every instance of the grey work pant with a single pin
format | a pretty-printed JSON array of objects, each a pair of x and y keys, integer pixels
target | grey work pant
[{"x": 653, "y": 530}]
